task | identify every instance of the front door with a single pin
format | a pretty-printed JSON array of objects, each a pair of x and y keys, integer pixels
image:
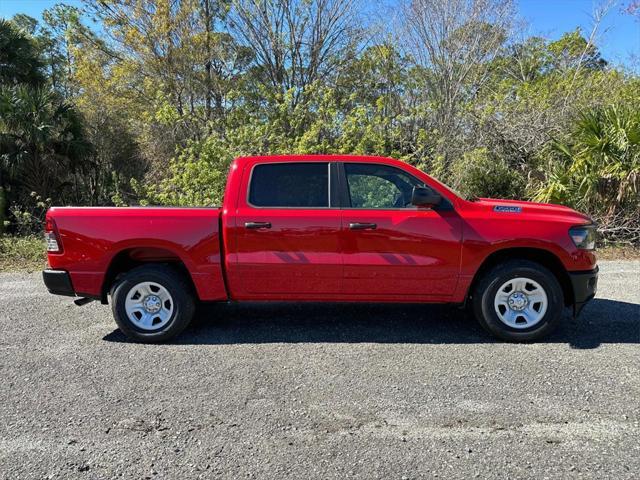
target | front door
[
  {"x": 287, "y": 233},
  {"x": 393, "y": 249}
]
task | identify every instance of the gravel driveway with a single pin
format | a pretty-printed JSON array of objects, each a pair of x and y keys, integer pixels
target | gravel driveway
[{"x": 318, "y": 391}]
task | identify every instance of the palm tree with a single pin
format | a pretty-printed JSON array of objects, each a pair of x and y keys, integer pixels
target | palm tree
[
  {"x": 20, "y": 62},
  {"x": 41, "y": 140},
  {"x": 599, "y": 169}
]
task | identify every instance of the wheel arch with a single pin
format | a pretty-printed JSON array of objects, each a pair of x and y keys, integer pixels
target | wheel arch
[
  {"x": 131, "y": 257},
  {"x": 538, "y": 255}
]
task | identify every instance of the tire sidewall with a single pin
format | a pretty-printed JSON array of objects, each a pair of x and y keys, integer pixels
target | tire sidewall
[
  {"x": 489, "y": 318},
  {"x": 182, "y": 304}
]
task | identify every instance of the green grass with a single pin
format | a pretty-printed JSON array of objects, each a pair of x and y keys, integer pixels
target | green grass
[{"x": 22, "y": 253}]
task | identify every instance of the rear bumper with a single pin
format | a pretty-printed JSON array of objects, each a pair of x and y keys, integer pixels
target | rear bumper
[
  {"x": 585, "y": 285},
  {"x": 58, "y": 282}
]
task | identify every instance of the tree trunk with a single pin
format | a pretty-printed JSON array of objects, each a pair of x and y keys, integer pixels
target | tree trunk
[{"x": 207, "y": 65}]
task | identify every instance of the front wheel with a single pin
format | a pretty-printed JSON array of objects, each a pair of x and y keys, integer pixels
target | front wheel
[
  {"x": 518, "y": 301},
  {"x": 152, "y": 303}
]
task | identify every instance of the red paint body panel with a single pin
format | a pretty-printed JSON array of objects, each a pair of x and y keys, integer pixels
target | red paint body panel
[
  {"x": 413, "y": 255},
  {"x": 412, "y": 252},
  {"x": 91, "y": 237},
  {"x": 299, "y": 255}
]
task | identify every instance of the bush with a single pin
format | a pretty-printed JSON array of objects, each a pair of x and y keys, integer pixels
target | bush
[
  {"x": 618, "y": 229},
  {"x": 19, "y": 253},
  {"x": 598, "y": 168},
  {"x": 197, "y": 177},
  {"x": 28, "y": 219},
  {"x": 479, "y": 174},
  {"x": 2, "y": 211}
]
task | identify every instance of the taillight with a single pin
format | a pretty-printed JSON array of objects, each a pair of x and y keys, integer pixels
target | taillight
[
  {"x": 53, "y": 246},
  {"x": 52, "y": 242}
]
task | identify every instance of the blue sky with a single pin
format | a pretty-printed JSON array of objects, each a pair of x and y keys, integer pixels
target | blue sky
[{"x": 619, "y": 38}]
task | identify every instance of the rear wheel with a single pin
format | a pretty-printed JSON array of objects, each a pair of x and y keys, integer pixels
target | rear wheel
[
  {"x": 518, "y": 301},
  {"x": 152, "y": 303}
]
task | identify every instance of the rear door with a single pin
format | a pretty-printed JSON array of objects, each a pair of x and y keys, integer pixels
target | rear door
[
  {"x": 287, "y": 232},
  {"x": 393, "y": 249}
]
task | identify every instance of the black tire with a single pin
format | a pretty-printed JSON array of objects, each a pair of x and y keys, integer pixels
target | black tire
[
  {"x": 486, "y": 289},
  {"x": 178, "y": 287}
]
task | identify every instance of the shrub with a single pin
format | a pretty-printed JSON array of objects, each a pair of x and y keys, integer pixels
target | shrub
[
  {"x": 598, "y": 168},
  {"x": 19, "y": 253},
  {"x": 197, "y": 177},
  {"x": 28, "y": 218},
  {"x": 479, "y": 174}
]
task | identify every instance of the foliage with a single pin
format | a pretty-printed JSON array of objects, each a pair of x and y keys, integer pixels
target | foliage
[
  {"x": 20, "y": 252},
  {"x": 599, "y": 166},
  {"x": 42, "y": 140},
  {"x": 478, "y": 174},
  {"x": 28, "y": 219},
  {"x": 48, "y": 143},
  {"x": 196, "y": 177},
  {"x": 3, "y": 205},
  {"x": 151, "y": 104},
  {"x": 20, "y": 61}
]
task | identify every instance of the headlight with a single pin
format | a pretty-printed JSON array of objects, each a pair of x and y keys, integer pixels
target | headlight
[{"x": 584, "y": 236}]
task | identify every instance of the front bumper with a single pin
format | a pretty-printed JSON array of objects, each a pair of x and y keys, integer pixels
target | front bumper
[
  {"x": 585, "y": 285},
  {"x": 58, "y": 282}
]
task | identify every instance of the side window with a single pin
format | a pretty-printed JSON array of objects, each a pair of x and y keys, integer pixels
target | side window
[
  {"x": 301, "y": 185},
  {"x": 379, "y": 186}
]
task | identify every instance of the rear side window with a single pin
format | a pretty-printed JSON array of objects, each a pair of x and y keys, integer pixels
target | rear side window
[{"x": 301, "y": 185}]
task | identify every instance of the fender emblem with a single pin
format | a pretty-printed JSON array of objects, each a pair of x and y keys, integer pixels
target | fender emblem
[{"x": 506, "y": 209}]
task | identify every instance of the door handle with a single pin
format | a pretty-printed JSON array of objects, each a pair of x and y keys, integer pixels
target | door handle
[
  {"x": 257, "y": 225},
  {"x": 362, "y": 226}
]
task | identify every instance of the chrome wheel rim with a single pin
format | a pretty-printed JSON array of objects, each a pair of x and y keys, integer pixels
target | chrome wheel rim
[
  {"x": 521, "y": 303},
  {"x": 149, "y": 306}
]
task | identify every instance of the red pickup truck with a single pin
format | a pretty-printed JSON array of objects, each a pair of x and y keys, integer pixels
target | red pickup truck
[{"x": 332, "y": 229}]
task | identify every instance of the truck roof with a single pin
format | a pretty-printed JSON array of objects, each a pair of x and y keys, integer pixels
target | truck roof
[{"x": 316, "y": 157}]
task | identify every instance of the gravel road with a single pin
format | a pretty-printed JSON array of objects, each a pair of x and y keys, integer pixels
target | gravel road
[{"x": 318, "y": 391}]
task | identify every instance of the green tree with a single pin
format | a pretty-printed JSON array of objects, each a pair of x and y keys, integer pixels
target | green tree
[
  {"x": 20, "y": 61},
  {"x": 477, "y": 174},
  {"x": 42, "y": 141},
  {"x": 598, "y": 168}
]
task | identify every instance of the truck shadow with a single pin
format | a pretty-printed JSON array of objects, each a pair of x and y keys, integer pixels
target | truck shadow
[{"x": 602, "y": 321}]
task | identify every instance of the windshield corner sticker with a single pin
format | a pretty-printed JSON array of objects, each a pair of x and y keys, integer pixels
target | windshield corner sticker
[{"x": 506, "y": 209}]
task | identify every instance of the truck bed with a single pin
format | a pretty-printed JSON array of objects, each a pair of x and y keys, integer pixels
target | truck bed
[{"x": 94, "y": 239}]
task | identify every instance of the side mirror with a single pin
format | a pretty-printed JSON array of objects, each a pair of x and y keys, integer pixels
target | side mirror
[{"x": 425, "y": 197}]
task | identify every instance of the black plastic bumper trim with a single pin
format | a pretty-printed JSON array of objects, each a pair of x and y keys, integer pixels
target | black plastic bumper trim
[
  {"x": 58, "y": 282},
  {"x": 585, "y": 285}
]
